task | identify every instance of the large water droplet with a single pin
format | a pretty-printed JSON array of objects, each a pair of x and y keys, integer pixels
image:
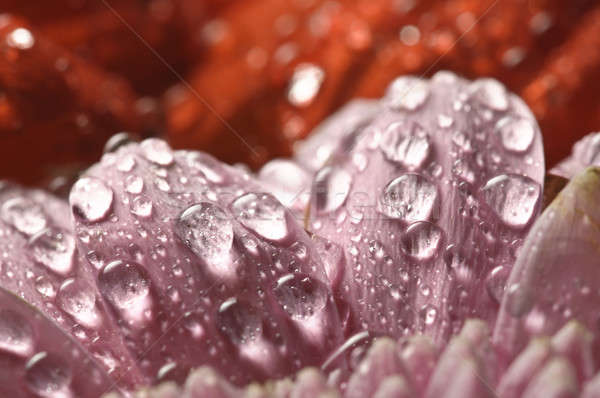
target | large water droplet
[
  {"x": 91, "y": 199},
  {"x": 331, "y": 188},
  {"x": 16, "y": 335},
  {"x": 23, "y": 214},
  {"x": 305, "y": 84},
  {"x": 55, "y": 249},
  {"x": 77, "y": 298},
  {"x": 208, "y": 231},
  {"x": 407, "y": 93},
  {"x": 48, "y": 376},
  {"x": 517, "y": 134},
  {"x": 126, "y": 286},
  {"x": 157, "y": 151},
  {"x": 300, "y": 296},
  {"x": 261, "y": 213},
  {"x": 406, "y": 145},
  {"x": 410, "y": 198},
  {"x": 490, "y": 93},
  {"x": 239, "y": 321},
  {"x": 513, "y": 198},
  {"x": 422, "y": 240},
  {"x": 287, "y": 181}
]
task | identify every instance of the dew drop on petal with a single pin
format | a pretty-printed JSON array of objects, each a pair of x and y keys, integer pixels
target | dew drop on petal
[
  {"x": 331, "y": 188},
  {"x": 513, "y": 198},
  {"x": 48, "y": 376},
  {"x": 134, "y": 184},
  {"x": 23, "y": 214},
  {"x": 517, "y": 134},
  {"x": 496, "y": 282},
  {"x": 91, "y": 199},
  {"x": 141, "y": 206},
  {"x": 77, "y": 299},
  {"x": 157, "y": 151},
  {"x": 410, "y": 198},
  {"x": 208, "y": 231},
  {"x": 300, "y": 296},
  {"x": 407, "y": 93},
  {"x": 519, "y": 300},
  {"x": 53, "y": 248},
  {"x": 126, "y": 286},
  {"x": 261, "y": 213},
  {"x": 239, "y": 321},
  {"x": 422, "y": 240},
  {"x": 490, "y": 93},
  {"x": 16, "y": 334},
  {"x": 408, "y": 146}
]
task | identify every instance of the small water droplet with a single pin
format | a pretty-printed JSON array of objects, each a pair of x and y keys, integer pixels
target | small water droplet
[
  {"x": 300, "y": 296},
  {"x": 134, "y": 184},
  {"x": 428, "y": 314},
  {"x": 305, "y": 84},
  {"x": 261, "y": 213},
  {"x": 126, "y": 286},
  {"x": 496, "y": 282},
  {"x": 141, "y": 206},
  {"x": 410, "y": 198},
  {"x": 331, "y": 188},
  {"x": 77, "y": 298},
  {"x": 445, "y": 121},
  {"x": 157, "y": 151},
  {"x": 517, "y": 134},
  {"x": 16, "y": 334},
  {"x": 91, "y": 199},
  {"x": 513, "y": 198},
  {"x": 239, "y": 321},
  {"x": 45, "y": 287},
  {"x": 490, "y": 93},
  {"x": 23, "y": 214},
  {"x": 126, "y": 164},
  {"x": 48, "y": 376},
  {"x": 55, "y": 249},
  {"x": 406, "y": 145},
  {"x": 407, "y": 93},
  {"x": 422, "y": 240}
]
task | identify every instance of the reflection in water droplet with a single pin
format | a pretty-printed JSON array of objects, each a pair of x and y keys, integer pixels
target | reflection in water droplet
[
  {"x": 16, "y": 335},
  {"x": 126, "y": 286},
  {"x": 48, "y": 376},
  {"x": 55, "y": 249},
  {"x": 91, "y": 199},
  {"x": 410, "y": 198},
  {"x": 300, "y": 296},
  {"x": 406, "y": 145},
  {"x": 331, "y": 188},
  {"x": 261, "y": 213},
  {"x": 77, "y": 298},
  {"x": 239, "y": 321},
  {"x": 513, "y": 198},
  {"x": 407, "y": 93},
  {"x": 208, "y": 231},
  {"x": 157, "y": 151},
  {"x": 517, "y": 134},
  {"x": 422, "y": 240},
  {"x": 23, "y": 214}
]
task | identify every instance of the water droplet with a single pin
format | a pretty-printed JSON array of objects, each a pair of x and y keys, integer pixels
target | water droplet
[
  {"x": 300, "y": 296},
  {"x": 55, "y": 249},
  {"x": 496, "y": 282},
  {"x": 445, "y": 121},
  {"x": 428, "y": 314},
  {"x": 261, "y": 213},
  {"x": 305, "y": 84},
  {"x": 45, "y": 287},
  {"x": 410, "y": 198},
  {"x": 23, "y": 214},
  {"x": 239, "y": 321},
  {"x": 117, "y": 141},
  {"x": 422, "y": 240},
  {"x": 126, "y": 164},
  {"x": 20, "y": 38},
  {"x": 126, "y": 286},
  {"x": 16, "y": 334},
  {"x": 407, "y": 93},
  {"x": 141, "y": 206},
  {"x": 406, "y": 145},
  {"x": 134, "y": 184},
  {"x": 519, "y": 300},
  {"x": 331, "y": 188},
  {"x": 157, "y": 151},
  {"x": 517, "y": 134},
  {"x": 513, "y": 198},
  {"x": 48, "y": 376},
  {"x": 208, "y": 231},
  {"x": 490, "y": 93},
  {"x": 91, "y": 199},
  {"x": 77, "y": 299}
]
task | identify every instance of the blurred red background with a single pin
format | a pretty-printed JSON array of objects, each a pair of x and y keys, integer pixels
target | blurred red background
[{"x": 75, "y": 72}]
